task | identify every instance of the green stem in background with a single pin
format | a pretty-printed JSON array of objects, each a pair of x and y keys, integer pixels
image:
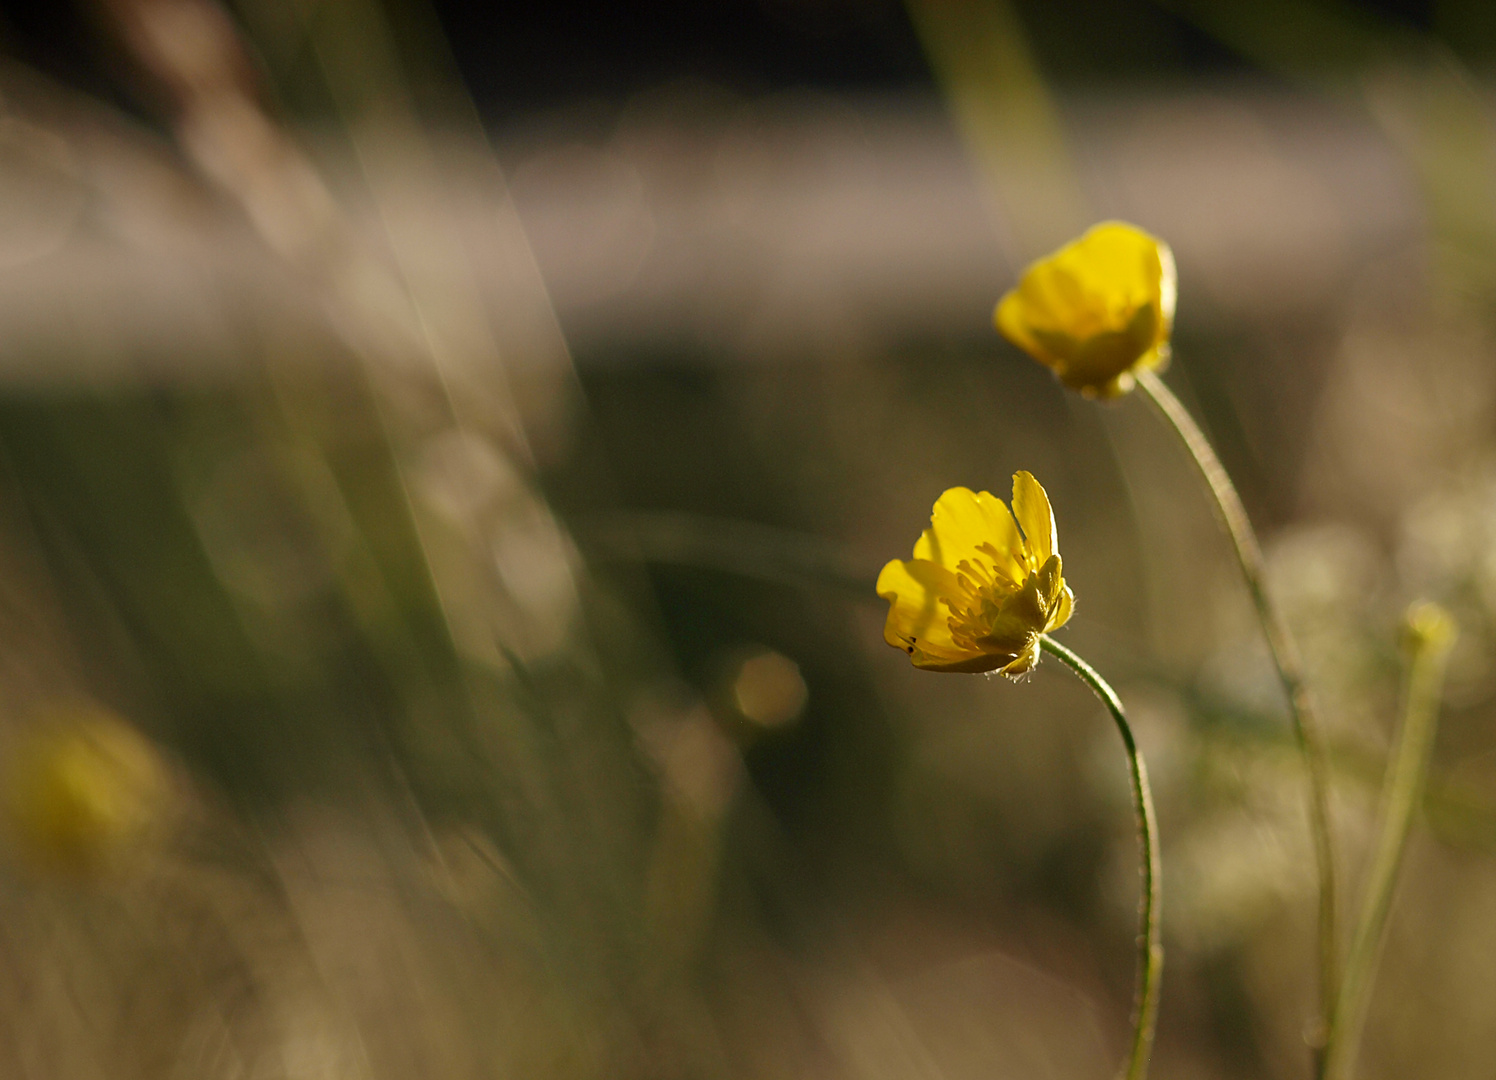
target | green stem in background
[
  {"x": 1285, "y": 655},
  {"x": 1150, "y": 946},
  {"x": 1430, "y": 634}
]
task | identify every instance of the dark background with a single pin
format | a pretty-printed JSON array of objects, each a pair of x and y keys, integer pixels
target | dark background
[{"x": 515, "y": 58}]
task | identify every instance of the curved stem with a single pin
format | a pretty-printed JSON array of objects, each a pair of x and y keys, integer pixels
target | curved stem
[
  {"x": 1401, "y": 794},
  {"x": 1290, "y": 670},
  {"x": 1150, "y": 946}
]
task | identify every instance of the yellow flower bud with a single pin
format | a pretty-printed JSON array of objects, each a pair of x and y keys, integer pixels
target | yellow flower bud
[
  {"x": 1097, "y": 310},
  {"x": 80, "y": 791},
  {"x": 978, "y": 593},
  {"x": 1428, "y": 626}
]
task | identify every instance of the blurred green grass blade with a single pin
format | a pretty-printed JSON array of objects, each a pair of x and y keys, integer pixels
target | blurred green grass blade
[{"x": 1007, "y": 117}]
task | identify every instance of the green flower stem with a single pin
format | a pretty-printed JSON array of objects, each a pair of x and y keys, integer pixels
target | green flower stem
[
  {"x": 1290, "y": 670},
  {"x": 1401, "y": 793},
  {"x": 1150, "y": 946}
]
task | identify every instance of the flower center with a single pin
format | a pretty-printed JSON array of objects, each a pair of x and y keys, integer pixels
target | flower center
[{"x": 985, "y": 587}]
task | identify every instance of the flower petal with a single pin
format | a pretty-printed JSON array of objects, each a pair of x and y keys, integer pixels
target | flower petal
[
  {"x": 1119, "y": 262},
  {"x": 963, "y": 523},
  {"x": 1063, "y": 607},
  {"x": 1015, "y": 319},
  {"x": 1031, "y": 507},
  {"x": 968, "y": 663},
  {"x": 1049, "y": 580},
  {"x": 1058, "y": 299},
  {"x": 918, "y": 619},
  {"x": 1168, "y": 288},
  {"x": 1108, "y": 355}
]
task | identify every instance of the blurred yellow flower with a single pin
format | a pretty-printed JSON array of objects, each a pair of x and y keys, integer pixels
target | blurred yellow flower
[
  {"x": 978, "y": 593},
  {"x": 1097, "y": 310},
  {"x": 1427, "y": 625},
  {"x": 80, "y": 791}
]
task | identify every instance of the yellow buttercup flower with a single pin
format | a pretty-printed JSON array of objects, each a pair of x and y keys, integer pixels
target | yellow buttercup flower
[
  {"x": 80, "y": 791},
  {"x": 1427, "y": 625},
  {"x": 1097, "y": 310},
  {"x": 978, "y": 593}
]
